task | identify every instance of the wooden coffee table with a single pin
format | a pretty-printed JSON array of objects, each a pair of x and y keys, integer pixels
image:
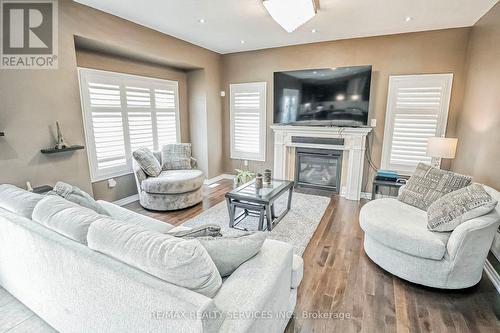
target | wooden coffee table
[{"x": 258, "y": 203}]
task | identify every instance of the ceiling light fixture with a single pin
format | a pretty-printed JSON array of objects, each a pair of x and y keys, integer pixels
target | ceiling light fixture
[
  {"x": 408, "y": 19},
  {"x": 242, "y": 41},
  {"x": 201, "y": 20},
  {"x": 290, "y": 14},
  {"x": 314, "y": 31}
]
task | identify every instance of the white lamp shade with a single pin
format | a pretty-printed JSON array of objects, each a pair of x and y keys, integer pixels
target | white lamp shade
[
  {"x": 442, "y": 147},
  {"x": 290, "y": 14}
]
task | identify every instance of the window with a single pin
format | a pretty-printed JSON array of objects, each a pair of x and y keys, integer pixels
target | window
[
  {"x": 417, "y": 108},
  {"x": 248, "y": 121},
  {"x": 122, "y": 113}
]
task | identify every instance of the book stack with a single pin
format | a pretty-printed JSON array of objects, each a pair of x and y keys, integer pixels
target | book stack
[{"x": 390, "y": 176}]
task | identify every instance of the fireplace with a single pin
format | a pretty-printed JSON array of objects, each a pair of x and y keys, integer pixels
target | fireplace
[{"x": 318, "y": 168}]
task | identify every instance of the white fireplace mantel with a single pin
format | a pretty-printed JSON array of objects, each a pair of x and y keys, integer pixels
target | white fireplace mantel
[{"x": 354, "y": 145}]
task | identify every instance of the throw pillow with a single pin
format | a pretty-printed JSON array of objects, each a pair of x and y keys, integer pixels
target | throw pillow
[
  {"x": 18, "y": 201},
  {"x": 453, "y": 209},
  {"x": 429, "y": 184},
  {"x": 228, "y": 253},
  {"x": 183, "y": 262},
  {"x": 176, "y": 156},
  {"x": 65, "y": 217},
  {"x": 205, "y": 230},
  {"x": 76, "y": 195},
  {"x": 147, "y": 161}
]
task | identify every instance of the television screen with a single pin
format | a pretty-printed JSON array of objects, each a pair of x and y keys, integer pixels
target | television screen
[{"x": 330, "y": 96}]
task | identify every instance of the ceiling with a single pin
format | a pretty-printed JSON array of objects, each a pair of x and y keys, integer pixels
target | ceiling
[{"x": 228, "y": 22}]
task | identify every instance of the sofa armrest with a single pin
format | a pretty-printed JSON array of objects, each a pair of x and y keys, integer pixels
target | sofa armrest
[
  {"x": 260, "y": 285},
  {"x": 473, "y": 238},
  {"x": 123, "y": 214},
  {"x": 194, "y": 163},
  {"x": 297, "y": 271},
  {"x": 139, "y": 174}
]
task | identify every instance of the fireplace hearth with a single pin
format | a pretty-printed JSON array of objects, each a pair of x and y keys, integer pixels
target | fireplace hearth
[{"x": 318, "y": 168}]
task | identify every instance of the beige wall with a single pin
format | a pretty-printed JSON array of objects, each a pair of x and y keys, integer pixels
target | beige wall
[
  {"x": 32, "y": 100},
  {"x": 91, "y": 59},
  {"x": 440, "y": 51},
  {"x": 478, "y": 128}
]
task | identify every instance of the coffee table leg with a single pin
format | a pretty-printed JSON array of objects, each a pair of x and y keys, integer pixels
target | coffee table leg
[
  {"x": 231, "y": 210},
  {"x": 269, "y": 218},
  {"x": 261, "y": 220},
  {"x": 289, "y": 205}
]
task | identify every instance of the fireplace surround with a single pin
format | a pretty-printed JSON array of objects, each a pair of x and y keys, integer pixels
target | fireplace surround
[{"x": 349, "y": 140}]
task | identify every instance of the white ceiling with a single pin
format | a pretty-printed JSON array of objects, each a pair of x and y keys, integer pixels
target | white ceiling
[{"x": 228, "y": 22}]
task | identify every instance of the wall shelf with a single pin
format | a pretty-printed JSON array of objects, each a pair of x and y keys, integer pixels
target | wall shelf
[{"x": 54, "y": 150}]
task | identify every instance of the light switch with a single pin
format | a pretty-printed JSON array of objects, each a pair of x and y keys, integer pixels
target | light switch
[
  {"x": 222, "y": 93},
  {"x": 373, "y": 122}
]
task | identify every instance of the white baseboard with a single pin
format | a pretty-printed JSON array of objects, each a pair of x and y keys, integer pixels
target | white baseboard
[
  {"x": 218, "y": 178},
  {"x": 492, "y": 275},
  {"x": 127, "y": 200},
  {"x": 363, "y": 195}
]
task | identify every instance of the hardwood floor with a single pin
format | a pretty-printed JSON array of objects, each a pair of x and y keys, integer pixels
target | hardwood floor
[{"x": 343, "y": 284}]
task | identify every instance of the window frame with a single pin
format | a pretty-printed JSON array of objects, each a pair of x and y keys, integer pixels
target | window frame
[
  {"x": 120, "y": 79},
  {"x": 391, "y": 111},
  {"x": 261, "y": 87}
]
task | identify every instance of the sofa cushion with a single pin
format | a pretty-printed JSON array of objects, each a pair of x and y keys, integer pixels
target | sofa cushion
[
  {"x": 176, "y": 156},
  {"x": 76, "y": 195},
  {"x": 174, "y": 182},
  {"x": 65, "y": 217},
  {"x": 147, "y": 161},
  {"x": 123, "y": 214},
  {"x": 178, "y": 261},
  {"x": 228, "y": 253},
  {"x": 402, "y": 227},
  {"x": 429, "y": 184},
  {"x": 454, "y": 208},
  {"x": 18, "y": 201}
]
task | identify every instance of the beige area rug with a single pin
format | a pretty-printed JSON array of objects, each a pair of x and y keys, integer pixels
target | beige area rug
[{"x": 296, "y": 228}]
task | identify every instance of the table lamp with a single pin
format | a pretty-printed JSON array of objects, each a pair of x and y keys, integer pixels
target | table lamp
[{"x": 439, "y": 147}]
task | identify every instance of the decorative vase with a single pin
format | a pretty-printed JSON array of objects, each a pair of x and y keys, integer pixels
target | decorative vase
[
  {"x": 267, "y": 176},
  {"x": 258, "y": 181}
]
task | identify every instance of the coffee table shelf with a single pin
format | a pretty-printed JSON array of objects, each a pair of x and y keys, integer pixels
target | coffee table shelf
[{"x": 258, "y": 203}]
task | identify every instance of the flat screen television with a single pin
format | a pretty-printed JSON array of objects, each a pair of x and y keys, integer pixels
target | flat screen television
[{"x": 328, "y": 97}]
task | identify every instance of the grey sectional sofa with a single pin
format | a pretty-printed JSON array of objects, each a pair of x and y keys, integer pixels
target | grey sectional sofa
[{"x": 76, "y": 289}]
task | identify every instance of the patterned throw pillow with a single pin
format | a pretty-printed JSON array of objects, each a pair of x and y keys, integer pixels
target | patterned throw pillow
[
  {"x": 176, "y": 156},
  {"x": 147, "y": 161},
  {"x": 429, "y": 184},
  {"x": 454, "y": 208}
]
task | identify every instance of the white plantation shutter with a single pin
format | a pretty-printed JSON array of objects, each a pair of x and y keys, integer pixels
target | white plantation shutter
[
  {"x": 248, "y": 120},
  {"x": 417, "y": 108},
  {"x": 166, "y": 115},
  {"x": 123, "y": 113}
]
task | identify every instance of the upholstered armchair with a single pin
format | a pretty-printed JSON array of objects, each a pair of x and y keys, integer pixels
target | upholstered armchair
[
  {"x": 397, "y": 239},
  {"x": 172, "y": 189}
]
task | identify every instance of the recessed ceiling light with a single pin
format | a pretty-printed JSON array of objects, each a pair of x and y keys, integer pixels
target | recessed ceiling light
[
  {"x": 242, "y": 41},
  {"x": 314, "y": 31},
  {"x": 408, "y": 18},
  {"x": 201, "y": 20}
]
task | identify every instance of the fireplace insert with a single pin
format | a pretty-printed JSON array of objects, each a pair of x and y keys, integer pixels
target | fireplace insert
[{"x": 318, "y": 168}]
